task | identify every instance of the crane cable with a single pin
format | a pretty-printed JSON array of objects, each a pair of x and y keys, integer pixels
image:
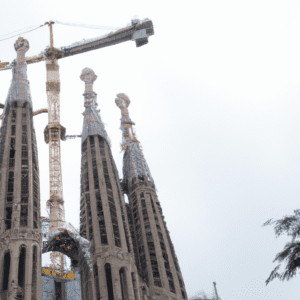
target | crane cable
[
  {"x": 21, "y": 32},
  {"x": 18, "y": 30},
  {"x": 58, "y": 22},
  {"x": 86, "y": 26}
]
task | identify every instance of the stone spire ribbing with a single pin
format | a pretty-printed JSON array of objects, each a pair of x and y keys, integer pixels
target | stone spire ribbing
[
  {"x": 154, "y": 251},
  {"x": 92, "y": 124},
  {"x": 134, "y": 161},
  {"x": 103, "y": 219},
  {"x": 20, "y": 252},
  {"x": 19, "y": 89}
]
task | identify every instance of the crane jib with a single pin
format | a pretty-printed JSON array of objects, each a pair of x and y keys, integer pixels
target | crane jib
[
  {"x": 138, "y": 32},
  {"x": 111, "y": 39}
]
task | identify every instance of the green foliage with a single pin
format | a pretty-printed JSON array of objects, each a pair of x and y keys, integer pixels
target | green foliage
[{"x": 289, "y": 225}]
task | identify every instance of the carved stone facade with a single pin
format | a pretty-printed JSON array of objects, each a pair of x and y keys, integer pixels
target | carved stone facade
[
  {"x": 20, "y": 244},
  {"x": 103, "y": 219}
]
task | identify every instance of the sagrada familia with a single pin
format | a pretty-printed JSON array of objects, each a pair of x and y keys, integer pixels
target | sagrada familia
[{"x": 123, "y": 251}]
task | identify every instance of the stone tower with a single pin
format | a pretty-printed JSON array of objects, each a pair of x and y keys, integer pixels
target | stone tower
[
  {"x": 20, "y": 245},
  {"x": 154, "y": 252},
  {"x": 103, "y": 218}
]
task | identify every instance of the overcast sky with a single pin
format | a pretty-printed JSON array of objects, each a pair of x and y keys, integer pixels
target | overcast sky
[{"x": 215, "y": 96}]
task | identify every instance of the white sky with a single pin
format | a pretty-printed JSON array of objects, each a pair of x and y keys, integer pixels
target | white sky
[{"x": 215, "y": 96}]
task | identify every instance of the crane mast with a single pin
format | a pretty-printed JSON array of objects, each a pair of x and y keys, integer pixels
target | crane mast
[{"x": 53, "y": 133}]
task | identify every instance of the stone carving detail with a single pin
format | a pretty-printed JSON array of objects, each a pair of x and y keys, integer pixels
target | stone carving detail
[{"x": 93, "y": 124}]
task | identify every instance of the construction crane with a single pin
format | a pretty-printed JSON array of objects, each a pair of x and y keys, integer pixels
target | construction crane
[
  {"x": 37, "y": 112},
  {"x": 3, "y": 64},
  {"x": 137, "y": 31},
  {"x": 201, "y": 295},
  {"x": 215, "y": 288},
  {"x": 72, "y": 136}
]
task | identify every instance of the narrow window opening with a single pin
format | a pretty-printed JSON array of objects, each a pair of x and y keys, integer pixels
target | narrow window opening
[
  {"x": 58, "y": 290},
  {"x": 13, "y": 129},
  {"x": 6, "y": 268},
  {"x": 8, "y": 217},
  {"x": 109, "y": 282},
  {"x": 157, "y": 283},
  {"x": 123, "y": 284},
  {"x": 12, "y": 163},
  {"x": 12, "y": 143},
  {"x": 96, "y": 279},
  {"x": 172, "y": 286},
  {"x": 24, "y": 200},
  {"x": 92, "y": 142},
  {"x": 12, "y": 153},
  {"x": 180, "y": 281},
  {"x": 21, "y": 273},
  {"x": 134, "y": 284},
  {"x": 23, "y": 215},
  {"x": 24, "y": 129},
  {"x": 10, "y": 182},
  {"x": 24, "y": 182}
]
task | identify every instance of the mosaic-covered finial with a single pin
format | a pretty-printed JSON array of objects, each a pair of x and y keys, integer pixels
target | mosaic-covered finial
[{"x": 88, "y": 76}]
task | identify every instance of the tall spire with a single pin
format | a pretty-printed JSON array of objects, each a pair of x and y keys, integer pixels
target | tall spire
[
  {"x": 92, "y": 124},
  {"x": 19, "y": 88},
  {"x": 157, "y": 264},
  {"x": 134, "y": 161},
  {"x": 19, "y": 189},
  {"x": 103, "y": 219}
]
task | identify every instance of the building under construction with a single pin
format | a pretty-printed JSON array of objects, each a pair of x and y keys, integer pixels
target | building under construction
[{"x": 122, "y": 250}]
